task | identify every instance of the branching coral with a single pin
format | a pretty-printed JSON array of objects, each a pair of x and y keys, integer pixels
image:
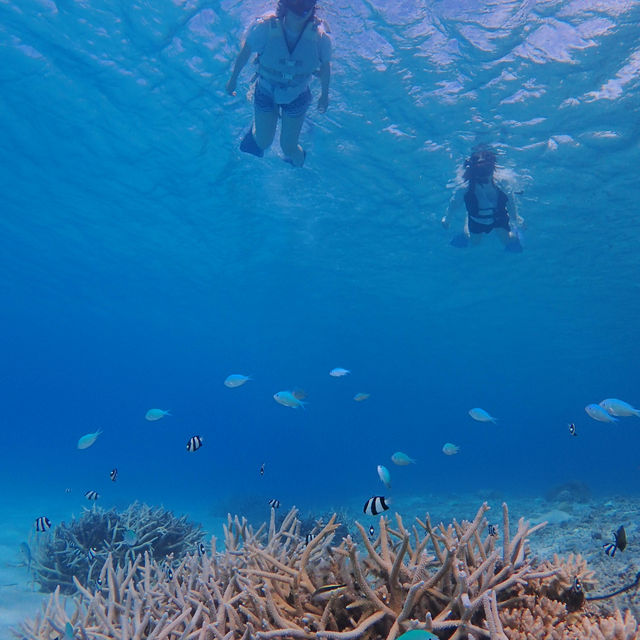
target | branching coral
[
  {"x": 80, "y": 549},
  {"x": 270, "y": 583}
]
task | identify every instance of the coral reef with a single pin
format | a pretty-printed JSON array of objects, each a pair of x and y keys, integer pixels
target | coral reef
[
  {"x": 271, "y": 583},
  {"x": 79, "y": 550}
]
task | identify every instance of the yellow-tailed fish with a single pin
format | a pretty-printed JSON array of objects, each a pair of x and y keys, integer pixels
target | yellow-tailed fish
[
  {"x": 417, "y": 634},
  {"x": 481, "y": 415},
  {"x": 402, "y": 459},
  {"x": 88, "y": 439},
  {"x": 288, "y": 399},
  {"x": 156, "y": 414},
  {"x": 450, "y": 449},
  {"x": 599, "y": 414},
  {"x": 620, "y": 408},
  {"x": 235, "y": 380}
]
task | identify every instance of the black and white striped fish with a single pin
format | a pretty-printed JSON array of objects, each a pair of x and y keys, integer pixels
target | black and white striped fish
[
  {"x": 91, "y": 495},
  {"x": 43, "y": 523},
  {"x": 492, "y": 530},
  {"x": 194, "y": 443},
  {"x": 91, "y": 554},
  {"x": 113, "y": 474},
  {"x": 309, "y": 537},
  {"x": 372, "y": 531},
  {"x": 273, "y": 503},
  {"x": 619, "y": 542},
  {"x": 377, "y": 504},
  {"x": 572, "y": 429},
  {"x": 201, "y": 549}
]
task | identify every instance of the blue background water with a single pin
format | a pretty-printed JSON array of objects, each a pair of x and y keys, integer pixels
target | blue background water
[{"x": 143, "y": 258}]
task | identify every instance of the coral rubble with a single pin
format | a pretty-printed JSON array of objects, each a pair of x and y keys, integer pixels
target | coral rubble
[{"x": 271, "y": 583}]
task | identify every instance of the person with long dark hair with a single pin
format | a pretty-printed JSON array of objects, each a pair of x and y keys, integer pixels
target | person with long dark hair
[
  {"x": 489, "y": 203},
  {"x": 292, "y": 45}
]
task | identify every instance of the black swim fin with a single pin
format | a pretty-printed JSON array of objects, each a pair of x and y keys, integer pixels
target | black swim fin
[
  {"x": 460, "y": 241},
  {"x": 249, "y": 145},
  {"x": 514, "y": 245},
  {"x": 289, "y": 161}
]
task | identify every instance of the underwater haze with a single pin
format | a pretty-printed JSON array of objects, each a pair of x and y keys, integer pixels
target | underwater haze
[{"x": 144, "y": 258}]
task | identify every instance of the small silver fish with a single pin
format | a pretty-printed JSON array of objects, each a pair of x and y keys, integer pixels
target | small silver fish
[{"x": 327, "y": 590}]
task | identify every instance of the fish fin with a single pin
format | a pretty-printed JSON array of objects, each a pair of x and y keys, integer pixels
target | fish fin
[{"x": 636, "y": 413}]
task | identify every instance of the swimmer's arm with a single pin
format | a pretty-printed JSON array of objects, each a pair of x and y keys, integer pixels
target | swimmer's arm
[
  {"x": 241, "y": 60},
  {"x": 325, "y": 77},
  {"x": 456, "y": 202},
  {"x": 512, "y": 208}
]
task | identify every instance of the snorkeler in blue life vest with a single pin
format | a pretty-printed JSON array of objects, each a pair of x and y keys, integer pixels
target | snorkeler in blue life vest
[
  {"x": 291, "y": 45},
  {"x": 489, "y": 204}
]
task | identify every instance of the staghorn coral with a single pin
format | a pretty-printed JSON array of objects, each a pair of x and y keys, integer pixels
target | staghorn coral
[
  {"x": 447, "y": 579},
  {"x": 65, "y": 554},
  {"x": 546, "y": 619}
]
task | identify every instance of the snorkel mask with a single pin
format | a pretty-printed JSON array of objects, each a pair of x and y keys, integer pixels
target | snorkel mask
[
  {"x": 481, "y": 165},
  {"x": 302, "y": 8}
]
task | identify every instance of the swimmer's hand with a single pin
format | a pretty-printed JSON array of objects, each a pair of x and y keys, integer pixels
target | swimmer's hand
[
  {"x": 323, "y": 103},
  {"x": 444, "y": 222},
  {"x": 231, "y": 86}
]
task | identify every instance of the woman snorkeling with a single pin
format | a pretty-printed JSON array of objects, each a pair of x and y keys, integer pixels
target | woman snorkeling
[
  {"x": 489, "y": 204},
  {"x": 291, "y": 45}
]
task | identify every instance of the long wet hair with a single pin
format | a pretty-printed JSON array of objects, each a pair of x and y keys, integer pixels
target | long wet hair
[
  {"x": 281, "y": 9},
  {"x": 480, "y": 165}
]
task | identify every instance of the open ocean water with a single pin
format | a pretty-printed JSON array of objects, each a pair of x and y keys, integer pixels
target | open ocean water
[{"x": 143, "y": 259}]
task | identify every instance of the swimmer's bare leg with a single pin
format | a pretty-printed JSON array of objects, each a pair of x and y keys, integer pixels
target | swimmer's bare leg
[
  {"x": 289, "y": 135},
  {"x": 264, "y": 127}
]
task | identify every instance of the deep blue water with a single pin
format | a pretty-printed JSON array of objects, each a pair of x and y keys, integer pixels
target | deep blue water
[{"x": 143, "y": 258}]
